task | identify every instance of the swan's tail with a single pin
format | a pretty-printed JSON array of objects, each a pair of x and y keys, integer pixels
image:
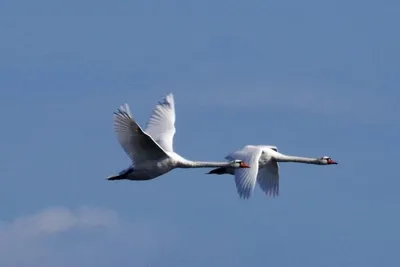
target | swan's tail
[{"x": 219, "y": 171}]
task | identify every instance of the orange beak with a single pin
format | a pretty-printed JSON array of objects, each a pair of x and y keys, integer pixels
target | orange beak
[
  {"x": 244, "y": 165},
  {"x": 330, "y": 161}
]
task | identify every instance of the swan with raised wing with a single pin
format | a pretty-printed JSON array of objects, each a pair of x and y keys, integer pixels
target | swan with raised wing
[
  {"x": 264, "y": 168},
  {"x": 151, "y": 150}
]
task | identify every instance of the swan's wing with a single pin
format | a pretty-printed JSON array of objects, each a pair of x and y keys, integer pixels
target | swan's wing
[
  {"x": 245, "y": 178},
  {"x": 268, "y": 147},
  {"x": 268, "y": 178},
  {"x": 136, "y": 143},
  {"x": 161, "y": 125}
]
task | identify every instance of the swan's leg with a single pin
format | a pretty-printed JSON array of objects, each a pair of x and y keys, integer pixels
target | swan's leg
[
  {"x": 122, "y": 175},
  {"x": 219, "y": 171}
]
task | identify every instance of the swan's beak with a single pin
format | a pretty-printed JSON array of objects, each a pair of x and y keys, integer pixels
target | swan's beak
[
  {"x": 244, "y": 165},
  {"x": 330, "y": 161}
]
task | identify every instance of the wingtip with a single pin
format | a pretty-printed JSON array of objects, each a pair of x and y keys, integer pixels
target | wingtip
[
  {"x": 124, "y": 108},
  {"x": 167, "y": 99},
  {"x": 244, "y": 195},
  {"x": 124, "y": 111}
]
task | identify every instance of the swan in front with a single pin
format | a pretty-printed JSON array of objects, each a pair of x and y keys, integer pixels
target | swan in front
[
  {"x": 264, "y": 168},
  {"x": 151, "y": 150}
]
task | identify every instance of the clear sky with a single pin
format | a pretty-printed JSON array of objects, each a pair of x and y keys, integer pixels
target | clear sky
[{"x": 314, "y": 78}]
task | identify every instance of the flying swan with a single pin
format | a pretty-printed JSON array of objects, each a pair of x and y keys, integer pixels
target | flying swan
[
  {"x": 151, "y": 151},
  {"x": 264, "y": 168}
]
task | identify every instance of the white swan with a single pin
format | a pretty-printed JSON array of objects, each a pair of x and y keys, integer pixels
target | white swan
[
  {"x": 264, "y": 168},
  {"x": 151, "y": 151}
]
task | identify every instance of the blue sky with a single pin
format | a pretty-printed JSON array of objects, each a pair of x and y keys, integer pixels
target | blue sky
[{"x": 314, "y": 78}]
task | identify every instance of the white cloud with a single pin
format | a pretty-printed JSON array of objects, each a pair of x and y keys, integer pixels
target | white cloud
[
  {"x": 87, "y": 236},
  {"x": 58, "y": 220}
]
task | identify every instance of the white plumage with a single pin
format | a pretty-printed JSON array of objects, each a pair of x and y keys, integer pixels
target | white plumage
[
  {"x": 161, "y": 125},
  {"x": 264, "y": 168},
  {"x": 151, "y": 151}
]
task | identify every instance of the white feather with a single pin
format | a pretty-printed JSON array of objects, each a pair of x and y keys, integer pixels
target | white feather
[
  {"x": 245, "y": 179},
  {"x": 161, "y": 125},
  {"x": 264, "y": 168},
  {"x": 268, "y": 178},
  {"x": 151, "y": 151},
  {"x": 136, "y": 143}
]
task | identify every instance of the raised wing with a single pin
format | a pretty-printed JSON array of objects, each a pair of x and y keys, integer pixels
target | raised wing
[
  {"x": 245, "y": 178},
  {"x": 269, "y": 147},
  {"x": 161, "y": 125},
  {"x": 136, "y": 143},
  {"x": 268, "y": 178}
]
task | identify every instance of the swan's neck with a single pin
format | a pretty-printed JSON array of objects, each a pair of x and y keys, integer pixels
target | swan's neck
[
  {"x": 286, "y": 158},
  {"x": 203, "y": 164}
]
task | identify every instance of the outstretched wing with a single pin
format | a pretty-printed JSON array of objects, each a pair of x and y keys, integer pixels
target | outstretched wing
[
  {"x": 268, "y": 178},
  {"x": 245, "y": 178},
  {"x": 136, "y": 143},
  {"x": 268, "y": 147},
  {"x": 161, "y": 125}
]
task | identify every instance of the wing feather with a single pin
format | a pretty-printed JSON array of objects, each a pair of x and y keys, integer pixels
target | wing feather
[
  {"x": 268, "y": 147},
  {"x": 161, "y": 124},
  {"x": 268, "y": 178},
  {"x": 245, "y": 178},
  {"x": 136, "y": 143}
]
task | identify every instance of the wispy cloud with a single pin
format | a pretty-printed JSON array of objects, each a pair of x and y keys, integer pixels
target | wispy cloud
[
  {"x": 53, "y": 221},
  {"x": 85, "y": 236}
]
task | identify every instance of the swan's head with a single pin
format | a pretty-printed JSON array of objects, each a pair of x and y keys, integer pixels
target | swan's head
[
  {"x": 237, "y": 163},
  {"x": 325, "y": 160}
]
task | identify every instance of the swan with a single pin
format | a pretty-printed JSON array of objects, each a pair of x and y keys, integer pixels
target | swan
[
  {"x": 151, "y": 151},
  {"x": 264, "y": 168}
]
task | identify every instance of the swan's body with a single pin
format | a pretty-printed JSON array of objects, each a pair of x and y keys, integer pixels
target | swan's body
[
  {"x": 264, "y": 168},
  {"x": 151, "y": 151}
]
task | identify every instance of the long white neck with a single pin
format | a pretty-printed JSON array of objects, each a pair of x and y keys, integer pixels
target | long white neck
[
  {"x": 286, "y": 158},
  {"x": 203, "y": 164}
]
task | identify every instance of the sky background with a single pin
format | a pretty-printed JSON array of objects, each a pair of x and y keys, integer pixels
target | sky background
[{"x": 314, "y": 78}]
